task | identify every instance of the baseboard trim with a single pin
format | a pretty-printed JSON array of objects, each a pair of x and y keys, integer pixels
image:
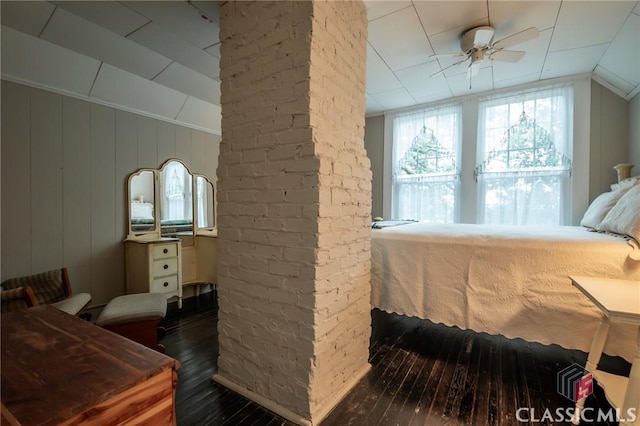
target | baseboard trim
[
  {"x": 324, "y": 411},
  {"x": 261, "y": 400},
  {"x": 285, "y": 412}
]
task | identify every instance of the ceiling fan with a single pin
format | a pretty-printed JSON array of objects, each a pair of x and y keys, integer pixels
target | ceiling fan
[{"x": 476, "y": 46}]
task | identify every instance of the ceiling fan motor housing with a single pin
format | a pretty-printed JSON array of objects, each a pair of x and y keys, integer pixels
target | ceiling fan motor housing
[{"x": 476, "y": 38}]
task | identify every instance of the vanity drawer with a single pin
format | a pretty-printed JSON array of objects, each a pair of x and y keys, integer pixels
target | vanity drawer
[
  {"x": 165, "y": 285},
  {"x": 160, "y": 251},
  {"x": 165, "y": 267}
]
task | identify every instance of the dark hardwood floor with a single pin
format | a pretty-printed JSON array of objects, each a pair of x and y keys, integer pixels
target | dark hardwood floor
[{"x": 422, "y": 374}]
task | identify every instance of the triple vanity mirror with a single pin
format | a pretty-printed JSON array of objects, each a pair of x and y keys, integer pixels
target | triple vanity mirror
[
  {"x": 172, "y": 235},
  {"x": 170, "y": 201}
]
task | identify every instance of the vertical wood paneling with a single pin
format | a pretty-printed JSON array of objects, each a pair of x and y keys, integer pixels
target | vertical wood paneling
[
  {"x": 147, "y": 142},
  {"x": 166, "y": 141},
  {"x": 65, "y": 164},
  {"x": 126, "y": 163},
  {"x": 183, "y": 145},
  {"x": 16, "y": 181},
  {"x": 46, "y": 182},
  {"x": 198, "y": 150},
  {"x": 76, "y": 192},
  {"x": 106, "y": 249}
]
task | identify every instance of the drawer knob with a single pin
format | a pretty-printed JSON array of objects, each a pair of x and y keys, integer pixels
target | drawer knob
[
  {"x": 166, "y": 266},
  {"x": 165, "y": 251},
  {"x": 166, "y": 284}
]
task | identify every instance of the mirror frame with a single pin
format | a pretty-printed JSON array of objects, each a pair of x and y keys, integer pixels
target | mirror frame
[
  {"x": 143, "y": 233},
  {"x": 204, "y": 230},
  {"x": 156, "y": 233}
]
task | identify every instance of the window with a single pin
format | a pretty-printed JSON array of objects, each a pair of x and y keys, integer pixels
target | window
[
  {"x": 524, "y": 143},
  {"x": 425, "y": 172}
]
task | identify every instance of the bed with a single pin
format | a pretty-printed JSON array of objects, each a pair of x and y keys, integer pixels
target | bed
[{"x": 506, "y": 280}]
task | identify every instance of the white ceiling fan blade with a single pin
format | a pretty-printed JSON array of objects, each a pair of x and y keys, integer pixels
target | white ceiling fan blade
[
  {"x": 447, "y": 55},
  {"x": 507, "y": 55},
  {"x": 446, "y": 68},
  {"x": 517, "y": 38}
]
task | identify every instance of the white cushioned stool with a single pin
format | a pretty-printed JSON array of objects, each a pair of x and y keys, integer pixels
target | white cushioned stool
[{"x": 136, "y": 317}]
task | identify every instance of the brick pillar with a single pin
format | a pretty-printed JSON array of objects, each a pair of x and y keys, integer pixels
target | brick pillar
[{"x": 294, "y": 204}]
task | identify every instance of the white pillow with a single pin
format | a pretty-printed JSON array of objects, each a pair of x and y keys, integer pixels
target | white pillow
[
  {"x": 599, "y": 208},
  {"x": 627, "y": 183},
  {"x": 624, "y": 217}
]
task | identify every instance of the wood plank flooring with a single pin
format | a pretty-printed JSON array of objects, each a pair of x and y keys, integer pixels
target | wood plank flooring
[{"x": 422, "y": 374}]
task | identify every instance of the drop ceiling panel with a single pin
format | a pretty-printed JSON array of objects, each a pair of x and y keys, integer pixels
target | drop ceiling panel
[
  {"x": 623, "y": 56},
  {"x": 27, "y": 16},
  {"x": 571, "y": 62},
  {"x": 480, "y": 83},
  {"x": 182, "y": 19},
  {"x": 530, "y": 64},
  {"x": 624, "y": 87},
  {"x": 210, "y": 8},
  {"x": 514, "y": 81},
  {"x": 155, "y": 37},
  {"x": 418, "y": 81},
  {"x": 377, "y": 9},
  {"x": 214, "y": 50},
  {"x": 112, "y": 15},
  {"x": 441, "y": 16},
  {"x": 201, "y": 114},
  {"x": 122, "y": 88},
  {"x": 82, "y": 36},
  {"x": 190, "y": 82},
  {"x": 509, "y": 17},
  {"x": 30, "y": 59},
  {"x": 379, "y": 76},
  {"x": 393, "y": 99},
  {"x": 588, "y": 23},
  {"x": 449, "y": 41},
  {"x": 400, "y": 49}
]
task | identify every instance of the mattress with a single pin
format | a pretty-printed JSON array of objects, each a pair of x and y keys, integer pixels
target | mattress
[{"x": 507, "y": 280}]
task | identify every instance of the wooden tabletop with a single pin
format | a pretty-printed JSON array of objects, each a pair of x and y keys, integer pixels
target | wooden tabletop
[{"x": 55, "y": 365}]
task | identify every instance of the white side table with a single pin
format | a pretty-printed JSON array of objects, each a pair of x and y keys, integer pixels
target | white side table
[{"x": 619, "y": 301}]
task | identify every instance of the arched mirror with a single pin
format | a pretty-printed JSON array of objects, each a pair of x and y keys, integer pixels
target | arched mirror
[
  {"x": 142, "y": 211},
  {"x": 204, "y": 205},
  {"x": 170, "y": 202},
  {"x": 175, "y": 184}
]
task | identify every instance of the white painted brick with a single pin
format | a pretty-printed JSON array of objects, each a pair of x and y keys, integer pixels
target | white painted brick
[{"x": 294, "y": 185}]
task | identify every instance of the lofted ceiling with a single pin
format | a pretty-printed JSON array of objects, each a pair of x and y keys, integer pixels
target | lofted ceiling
[{"x": 161, "y": 58}]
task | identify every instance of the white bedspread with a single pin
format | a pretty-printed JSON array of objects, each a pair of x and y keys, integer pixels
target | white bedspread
[{"x": 504, "y": 280}]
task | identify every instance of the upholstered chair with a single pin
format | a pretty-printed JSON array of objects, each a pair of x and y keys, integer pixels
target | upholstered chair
[{"x": 53, "y": 288}]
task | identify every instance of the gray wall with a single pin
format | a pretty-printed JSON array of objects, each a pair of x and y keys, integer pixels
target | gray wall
[
  {"x": 634, "y": 134},
  {"x": 609, "y": 137},
  {"x": 65, "y": 164}
]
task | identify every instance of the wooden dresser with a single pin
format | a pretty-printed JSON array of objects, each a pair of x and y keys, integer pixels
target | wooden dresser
[
  {"x": 59, "y": 369},
  {"x": 154, "y": 266}
]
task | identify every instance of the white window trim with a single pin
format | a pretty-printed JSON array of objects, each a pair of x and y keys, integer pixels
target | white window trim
[{"x": 468, "y": 203}]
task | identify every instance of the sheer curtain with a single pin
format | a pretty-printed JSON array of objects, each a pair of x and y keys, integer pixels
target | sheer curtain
[
  {"x": 425, "y": 158},
  {"x": 524, "y": 145}
]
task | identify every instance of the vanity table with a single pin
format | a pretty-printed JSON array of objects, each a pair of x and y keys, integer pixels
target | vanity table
[{"x": 172, "y": 236}]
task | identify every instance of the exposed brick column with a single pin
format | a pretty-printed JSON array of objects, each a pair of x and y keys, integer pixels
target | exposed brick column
[{"x": 294, "y": 204}]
